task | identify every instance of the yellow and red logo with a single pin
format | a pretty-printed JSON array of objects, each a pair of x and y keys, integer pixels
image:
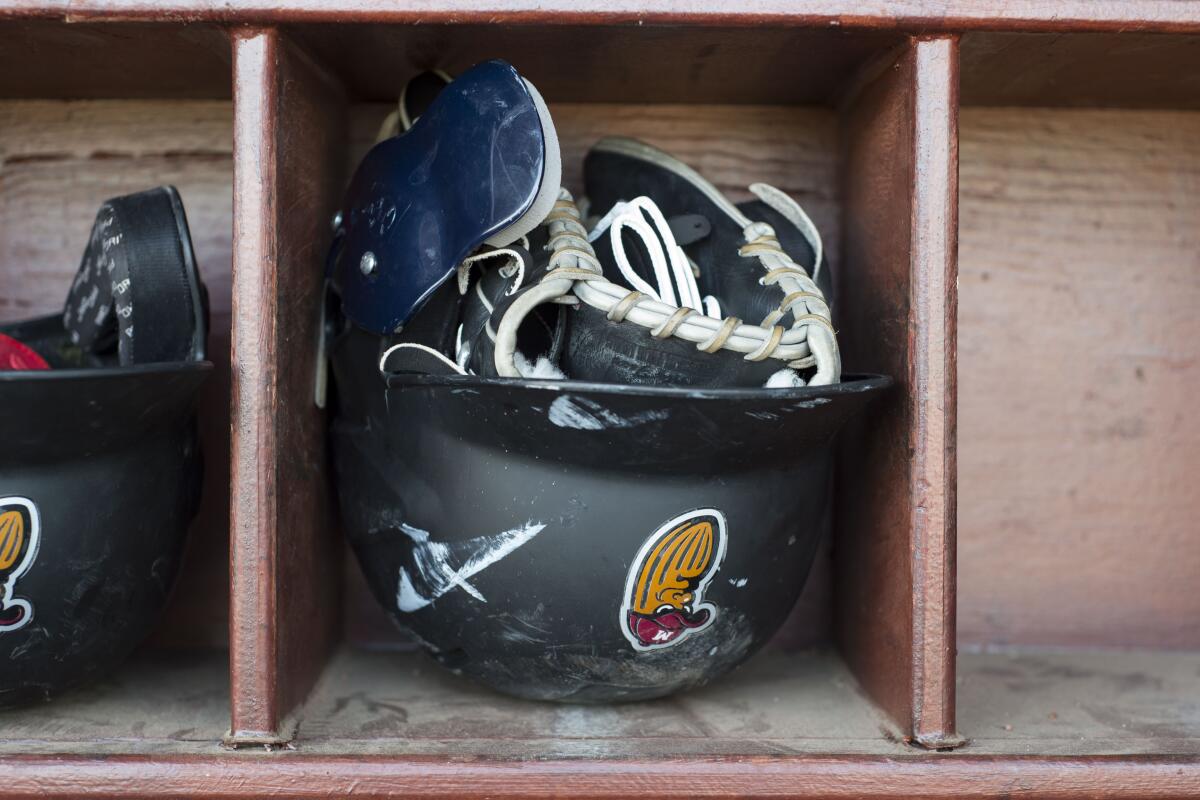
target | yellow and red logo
[
  {"x": 664, "y": 592},
  {"x": 20, "y": 535}
]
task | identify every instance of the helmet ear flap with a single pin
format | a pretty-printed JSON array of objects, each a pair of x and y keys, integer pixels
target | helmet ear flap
[{"x": 414, "y": 209}]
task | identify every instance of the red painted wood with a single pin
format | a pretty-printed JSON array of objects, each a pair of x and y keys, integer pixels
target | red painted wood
[
  {"x": 896, "y": 505},
  {"x": 298, "y": 776},
  {"x": 935, "y": 306},
  {"x": 288, "y": 142},
  {"x": 310, "y": 134},
  {"x": 253, "y": 480},
  {"x": 873, "y": 582},
  {"x": 915, "y": 16}
]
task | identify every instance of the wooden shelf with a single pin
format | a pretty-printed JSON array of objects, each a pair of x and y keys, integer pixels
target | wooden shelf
[
  {"x": 1096, "y": 723},
  {"x": 1075, "y": 341},
  {"x": 784, "y": 704},
  {"x": 1017, "y": 702},
  {"x": 158, "y": 703},
  {"x": 401, "y": 704},
  {"x": 947, "y": 16},
  {"x": 1081, "y": 702}
]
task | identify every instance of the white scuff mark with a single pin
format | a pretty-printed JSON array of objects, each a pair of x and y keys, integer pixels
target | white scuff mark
[
  {"x": 713, "y": 651},
  {"x": 439, "y": 566},
  {"x": 520, "y": 630},
  {"x": 816, "y": 401},
  {"x": 791, "y": 540},
  {"x": 765, "y": 416},
  {"x": 583, "y": 414},
  {"x": 738, "y": 582}
]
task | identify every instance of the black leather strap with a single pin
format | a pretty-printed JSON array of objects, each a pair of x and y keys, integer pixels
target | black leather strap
[{"x": 137, "y": 289}]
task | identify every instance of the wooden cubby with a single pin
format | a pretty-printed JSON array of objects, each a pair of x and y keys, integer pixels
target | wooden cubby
[
  {"x": 1007, "y": 600},
  {"x": 90, "y": 112},
  {"x": 1079, "y": 262}
]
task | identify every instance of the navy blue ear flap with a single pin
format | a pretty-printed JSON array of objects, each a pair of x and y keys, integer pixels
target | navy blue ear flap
[{"x": 481, "y": 165}]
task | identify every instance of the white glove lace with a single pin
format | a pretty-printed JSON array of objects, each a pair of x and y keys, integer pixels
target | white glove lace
[
  {"x": 575, "y": 270},
  {"x": 676, "y": 283}
]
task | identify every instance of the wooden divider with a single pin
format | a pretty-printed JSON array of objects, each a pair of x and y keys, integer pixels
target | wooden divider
[
  {"x": 289, "y": 123},
  {"x": 896, "y": 502}
]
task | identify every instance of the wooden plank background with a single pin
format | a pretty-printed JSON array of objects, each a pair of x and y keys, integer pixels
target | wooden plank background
[
  {"x": 1079, "y": 359},
  {"x": 289, "y": 122}
]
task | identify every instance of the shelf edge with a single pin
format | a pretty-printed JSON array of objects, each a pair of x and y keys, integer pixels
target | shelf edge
[
  {"x": 901, "y": 15},
  {"x": 297, "y": 775}
]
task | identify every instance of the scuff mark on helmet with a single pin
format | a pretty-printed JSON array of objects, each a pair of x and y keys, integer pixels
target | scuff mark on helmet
[
  {"x": 580, "y": 413},
  {"x": 438, "y": 567}
]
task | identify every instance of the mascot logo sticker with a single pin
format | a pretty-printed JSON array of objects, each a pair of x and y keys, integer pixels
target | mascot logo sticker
[
  {"x": 20, "y": 535},
  {"x": 664, "y": 592}
]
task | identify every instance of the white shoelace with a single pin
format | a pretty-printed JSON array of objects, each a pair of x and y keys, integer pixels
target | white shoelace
[
  {"x": 672, "y": 270},
  {"x": 674, "y": 307}
]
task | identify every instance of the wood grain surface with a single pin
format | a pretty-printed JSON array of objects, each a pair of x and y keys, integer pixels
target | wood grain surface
[
  {"x": 254, "y": 445},
  {"x": 160, "y": 701},
  {"x": 915, "y": 16},
  {"x": 895, "y": 512},
  {"x": 873, "y": 580},
  {"x": 918, "y": 777},
  {"x": 1078, "y": 439},
  {"x": 1062, "y": 704},
  {"x": 58, "y": 162},
  {"x": 1082, "y": 701},
  {"x": 935, "y": 376},
  {"x": 285, "y": 563},
  {"x": 780, "y": 703},
  {"x": 310, "y": 131}
]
